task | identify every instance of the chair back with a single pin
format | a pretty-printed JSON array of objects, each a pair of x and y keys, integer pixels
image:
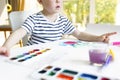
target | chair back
[{"x": 17, "y": 18}]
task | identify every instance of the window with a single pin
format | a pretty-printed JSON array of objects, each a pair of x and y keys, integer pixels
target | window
[
  {"x": 91, "y": 11},
  {"x": 105, "y": 11},
  {"x": 77, "y": 10}
]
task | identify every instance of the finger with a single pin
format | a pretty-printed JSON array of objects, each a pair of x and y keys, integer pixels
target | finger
[
  {"x": 7, "y": 53},
  {"x": 4, "y": 51},
  {"x": 4, "y": 54},
  {"x": 112, "y": 33},
  {"x": 106, "y": 40}
]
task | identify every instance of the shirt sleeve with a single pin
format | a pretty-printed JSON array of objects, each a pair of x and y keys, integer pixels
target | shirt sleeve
[
  {"x": 69, "y": 27},
  {"x": 28, "y": 25}
]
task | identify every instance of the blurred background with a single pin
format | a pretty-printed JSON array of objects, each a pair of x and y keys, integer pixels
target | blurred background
[{"x": 80, "y": 12}]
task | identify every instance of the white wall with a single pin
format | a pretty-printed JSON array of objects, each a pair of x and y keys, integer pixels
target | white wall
[{"x": 117, "y": 20}]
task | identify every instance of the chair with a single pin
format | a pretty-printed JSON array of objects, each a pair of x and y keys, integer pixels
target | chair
[
  {"x": 99, "y": 29},
  {"x": 16, "y": 20},
  {"x": 5, "y": 28}
]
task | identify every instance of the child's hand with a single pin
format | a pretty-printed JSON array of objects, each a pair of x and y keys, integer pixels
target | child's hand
[
  {"x": 105, "y": 37},
  {"x": 4, "y": 51}
]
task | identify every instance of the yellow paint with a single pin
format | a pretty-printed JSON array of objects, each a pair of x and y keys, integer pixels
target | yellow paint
[{"x": 111, "y": 53}]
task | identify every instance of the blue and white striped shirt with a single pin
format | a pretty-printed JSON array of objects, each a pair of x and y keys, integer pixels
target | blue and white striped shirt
[{"x": 43, "y": 31}]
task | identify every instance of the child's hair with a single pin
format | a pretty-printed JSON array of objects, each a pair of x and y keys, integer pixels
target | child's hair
[{"x": 39, "y": 1}]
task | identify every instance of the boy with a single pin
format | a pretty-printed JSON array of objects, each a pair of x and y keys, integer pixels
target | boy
[{"x": 48, "y": 25}]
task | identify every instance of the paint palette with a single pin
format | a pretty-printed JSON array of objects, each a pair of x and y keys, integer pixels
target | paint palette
[
  {"x": 57, "y": 73},
  {"x": 35, "y": 58},
  {"x": 29, "y": 57},
  {"x": 75, "y": 43}
]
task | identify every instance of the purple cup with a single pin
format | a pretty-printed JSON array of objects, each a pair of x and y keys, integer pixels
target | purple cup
[{"x": 97, "y": 56}]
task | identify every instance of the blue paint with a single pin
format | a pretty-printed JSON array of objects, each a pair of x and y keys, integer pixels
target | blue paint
[
  {"x": 57, "y": 69},
  {"x": 42, "y": 71},
  {"x": 108, "y": 59},
  {"x": 88, "y": 76}
]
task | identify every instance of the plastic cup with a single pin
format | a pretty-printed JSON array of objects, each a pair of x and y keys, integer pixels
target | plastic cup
[{"x": 97, "y": 55}]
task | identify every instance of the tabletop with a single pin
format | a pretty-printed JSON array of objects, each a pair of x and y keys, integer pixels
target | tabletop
[{"x": 70, "y": 55}]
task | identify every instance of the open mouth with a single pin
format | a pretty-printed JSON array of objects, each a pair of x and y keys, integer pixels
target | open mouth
[{"x": 57, "y": 6}]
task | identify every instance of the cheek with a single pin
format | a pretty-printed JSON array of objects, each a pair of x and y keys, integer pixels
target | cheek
[{"x": 51, "y": 6}]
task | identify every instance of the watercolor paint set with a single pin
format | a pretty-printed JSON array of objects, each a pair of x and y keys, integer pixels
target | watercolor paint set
[
  {"x": 36, "y": 57},
  {"x": 28, "y": 57},
  {"x": 51, "y": 72},
  {"x": 78, "y": 43},
  {"x": 74, "y": 43}
]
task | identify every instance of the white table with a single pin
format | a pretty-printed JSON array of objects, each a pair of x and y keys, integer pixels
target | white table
[
  {"x": 71, "y": 58},
  {"x": 99, "y": 29}
]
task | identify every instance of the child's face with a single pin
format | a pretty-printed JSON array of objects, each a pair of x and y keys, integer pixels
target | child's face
[{"x": 51, "y": 6}]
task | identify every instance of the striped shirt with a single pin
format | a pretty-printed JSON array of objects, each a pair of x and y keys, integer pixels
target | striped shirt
[{"x": 42, "y": 30}]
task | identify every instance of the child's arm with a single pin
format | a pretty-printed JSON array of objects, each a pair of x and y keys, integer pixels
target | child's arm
[
  {"x": 90, "y": 37},
  {"x": 12, "y": 40}
]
